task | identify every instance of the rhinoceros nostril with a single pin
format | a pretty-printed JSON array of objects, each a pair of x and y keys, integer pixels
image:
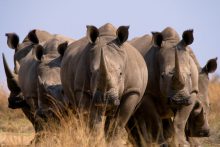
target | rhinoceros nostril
[{"x": 204, "y": 133}]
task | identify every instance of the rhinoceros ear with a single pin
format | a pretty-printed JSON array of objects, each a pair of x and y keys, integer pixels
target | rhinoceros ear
[
  {"x": 92, "y": 33},
  {"x": 32, "y": 36},
  {"x": 122, "y": 34},
  {"x": 38, "y": 52},
  {"x": 188, "y": 37},
  {"x": 210, "y": 66},
  {"x": 157, "y": 38},
  {"x": 62, "y": 48},
  {"x": 12, "y": 40}
]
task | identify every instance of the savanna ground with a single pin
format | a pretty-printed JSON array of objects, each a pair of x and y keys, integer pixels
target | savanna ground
[{"x": 15, "y": 129}]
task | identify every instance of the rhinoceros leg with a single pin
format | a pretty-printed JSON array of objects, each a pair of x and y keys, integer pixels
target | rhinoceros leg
[
  {"x": 179, "y": 123},
  {"x": 119, "y": 121},
  {"x": 87, "y": 109},
  {"x": 168, "y": 128},
  {"x": 194, "y": 142},
  {"x": 145, "y": 126},
  {"x": 95, "y": 120}
]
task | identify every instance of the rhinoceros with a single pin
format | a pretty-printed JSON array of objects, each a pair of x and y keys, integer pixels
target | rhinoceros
[
  {"x": 197, "y": 124},
  {"x": 102, "y": 72},
  {"x": 172, "y": 85},
  {"x": 17, "y": 98},
  {"x": 52, "y": 102},
  {"x": 34, "y": 65},
  {"x": 200, "y": 122}
]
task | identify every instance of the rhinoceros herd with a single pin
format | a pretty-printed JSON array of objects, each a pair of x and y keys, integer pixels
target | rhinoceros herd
[{"x": 152, "y": 86}]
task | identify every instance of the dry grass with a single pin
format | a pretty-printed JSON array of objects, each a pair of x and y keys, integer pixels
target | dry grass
[
  {"x": 214, "y": 116},
  {"x": 16, "y": 129},
  {"x": 75, "y": 133}
]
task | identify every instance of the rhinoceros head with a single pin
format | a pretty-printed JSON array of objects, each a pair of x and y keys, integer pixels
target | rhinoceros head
[
  {"x": 51, "y": 99},
  {"x": 107, "y": 63},
  {"x": 23, "y": 48},
  {"x": 198, "y": 120},
  {"x": 177, "y": 72}
]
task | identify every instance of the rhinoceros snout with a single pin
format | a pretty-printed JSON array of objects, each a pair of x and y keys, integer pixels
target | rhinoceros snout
[
  {"x": 109, "y": 98},
  {"x": 180, "y": 98},
  {"x": 204, "y": 133},
  {"x": 17, "y": 102}
]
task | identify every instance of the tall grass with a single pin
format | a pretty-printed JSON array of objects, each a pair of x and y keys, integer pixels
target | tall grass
[
  {"x": 214, "y": 115},
  {"x": 75, "y": 133}
]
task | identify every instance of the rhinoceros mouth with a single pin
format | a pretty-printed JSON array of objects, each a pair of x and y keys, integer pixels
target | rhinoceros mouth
[
  {"x": 179, "y": 99},
  {"x": 202, "y": 133},
  {"x": 108, "y": 99}
]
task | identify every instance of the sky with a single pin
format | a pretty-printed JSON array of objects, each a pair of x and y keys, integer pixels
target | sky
[{"x": 69, "y": 17}]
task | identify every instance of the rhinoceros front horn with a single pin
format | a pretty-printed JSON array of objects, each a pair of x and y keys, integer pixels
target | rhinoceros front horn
[
  {"x": 103, "y": 67},
  {"x": 177, "y": 75},
  {"x": 11, "y": 79}
]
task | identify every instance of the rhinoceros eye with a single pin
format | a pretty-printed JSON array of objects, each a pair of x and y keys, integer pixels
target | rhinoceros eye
[{"x": 171, "y": 73}]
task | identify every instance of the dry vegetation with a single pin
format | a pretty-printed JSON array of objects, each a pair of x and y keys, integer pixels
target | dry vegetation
[
  {"x": 214, "y": 116},
  {"x": 16, "y": 129}
]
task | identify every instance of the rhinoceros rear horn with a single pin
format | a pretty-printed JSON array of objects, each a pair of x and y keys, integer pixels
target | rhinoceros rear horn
[
  {"x": 11, "y": 80},
  {"x": 122, "y": 34},
  {"x": 92, "y": 33},
  {"x": 62, "y": 48},
  {"x": 32, "y": 36},
  {"x": 211, "y": 66},
  {"x": 188, "y": 37},
  {"x": 38, "y": 52},
  {"x": 17, "y": 67},
  {"x": 157, "y": 38},
  {"x": 12, "y": 40}
]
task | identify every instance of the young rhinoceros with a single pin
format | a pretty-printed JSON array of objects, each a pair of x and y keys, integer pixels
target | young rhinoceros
[
  {"x": 102, "y": 72},
  {"x": 198, "y": 125}
]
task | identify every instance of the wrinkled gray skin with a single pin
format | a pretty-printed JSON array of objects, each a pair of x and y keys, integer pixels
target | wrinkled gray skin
[
  {"x": 172, "y": 74},
  {"x": 51, "y": 100},
  {"x": 22, "y": 85},
  {"x": 97, "y": 73}
]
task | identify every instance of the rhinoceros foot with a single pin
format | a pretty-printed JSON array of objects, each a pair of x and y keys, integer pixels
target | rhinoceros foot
[{"x": 164, "y": 145}]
